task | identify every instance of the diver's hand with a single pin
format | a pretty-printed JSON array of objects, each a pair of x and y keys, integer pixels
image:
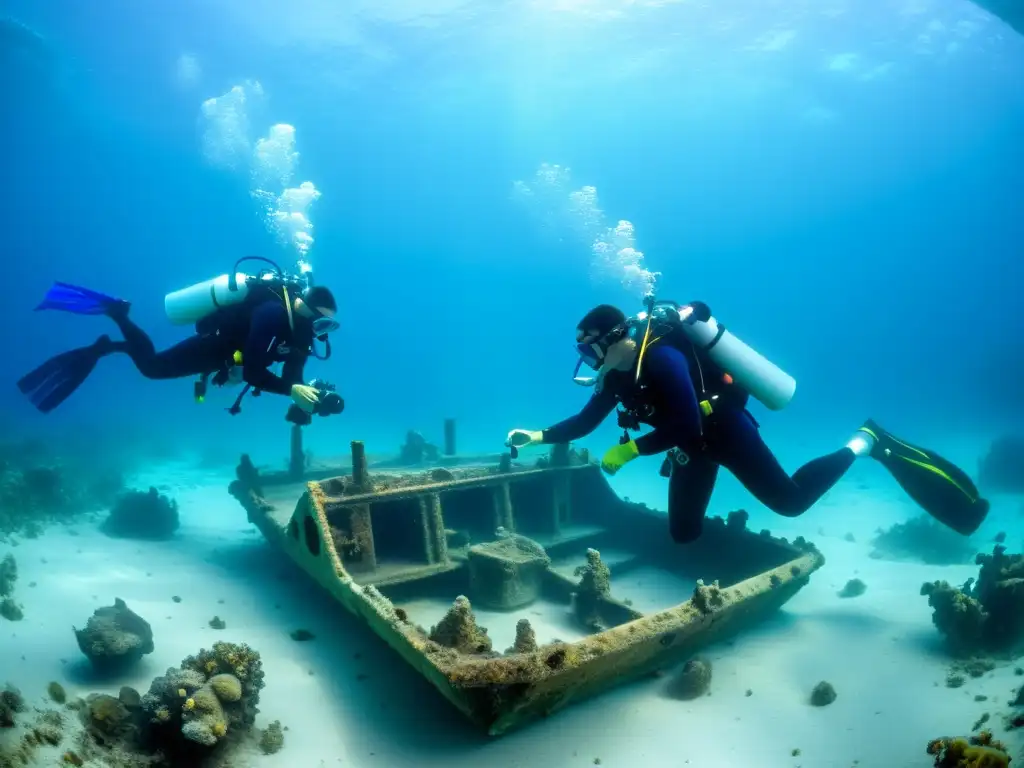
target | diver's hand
[
  {"x": 618, "y": 456},
  {"x": 305, "y": 397},
  {"x": 520, "y": 438}
]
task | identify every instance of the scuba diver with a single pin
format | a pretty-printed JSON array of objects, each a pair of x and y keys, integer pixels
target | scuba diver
[
  {"x": 678, "y": 370},
  {"x": 243, "y": 325}
]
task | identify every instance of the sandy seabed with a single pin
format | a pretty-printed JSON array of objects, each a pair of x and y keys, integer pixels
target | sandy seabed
[{"x": 348, "y": 700}]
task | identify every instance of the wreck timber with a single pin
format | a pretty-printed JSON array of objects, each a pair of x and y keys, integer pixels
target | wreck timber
[{"x": 371, "y": 539}]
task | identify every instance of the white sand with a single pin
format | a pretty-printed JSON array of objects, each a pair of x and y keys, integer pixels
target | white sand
[{"x": 348, "y": 701}]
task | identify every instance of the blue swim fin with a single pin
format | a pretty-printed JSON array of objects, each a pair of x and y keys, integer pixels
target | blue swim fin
[
  {"x": 78, "y": 301},
  {"x": 56, "y": 380}
]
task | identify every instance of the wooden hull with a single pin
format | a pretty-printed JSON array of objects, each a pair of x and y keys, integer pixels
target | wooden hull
[{"x": 373, "y": 540}]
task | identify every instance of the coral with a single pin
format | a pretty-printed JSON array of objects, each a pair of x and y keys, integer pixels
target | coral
[
  {"x": 693, "y": 680},
  {"x": 707, "y": 598},
  {"x": 962, "y": 753},
  {"x": 922, "y": 538},
  {"x": 594, "y": 587},
  {"x": 106, "y": 719},
  {"x": 988, "y": 617},
  {"x": 1002, "y": 468},
  {"x": 238, "y": 660},
  {"x": 227, "y": 687},
  {"x": 204, "y": 719},
  {"x": 8, "y": 575},
  {"x": 142, "y": 515},
  {"x": 526, "y": 639},
  {"x": 823, "y": 694},
  {"x": 458, "y": 629},
  {"x": 272, "y": 738},
  {"x": 737, "y": 520},
  {"x": 11, "y": 703},
  {"x": 115, "y": 637},
  {"x": 853, "y": 588},
  {"x": 38, "y": 488},
  {"x": 10, "y": 610}
]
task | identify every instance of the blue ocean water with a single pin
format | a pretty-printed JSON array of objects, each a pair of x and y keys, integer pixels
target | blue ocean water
[{"x": 841, "y": 184}]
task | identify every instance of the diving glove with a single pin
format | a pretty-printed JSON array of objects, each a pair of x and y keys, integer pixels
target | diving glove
[
  {"x": 618, "y": 456},
  {"x": 305, "y": 397},
  {"x": 520, "y": 438}
]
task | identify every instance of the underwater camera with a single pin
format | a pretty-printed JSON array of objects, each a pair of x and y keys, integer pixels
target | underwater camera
[{"x": 330, "y": 404}]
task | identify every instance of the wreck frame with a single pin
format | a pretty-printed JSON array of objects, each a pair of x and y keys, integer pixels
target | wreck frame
[{"x": 324, "y": 520}]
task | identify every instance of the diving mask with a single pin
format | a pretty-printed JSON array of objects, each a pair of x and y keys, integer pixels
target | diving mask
[{"x": 323, "y": 325}]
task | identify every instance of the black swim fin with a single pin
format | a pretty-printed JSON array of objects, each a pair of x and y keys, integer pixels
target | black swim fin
[
  {"x": 941, "y": 488},
  {"x": 55, "y": 381}
]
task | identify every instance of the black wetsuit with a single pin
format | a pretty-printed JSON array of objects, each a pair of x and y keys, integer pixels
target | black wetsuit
[
  {"x": 667, "y": 400},
  {"x": 261, "y": 332}
]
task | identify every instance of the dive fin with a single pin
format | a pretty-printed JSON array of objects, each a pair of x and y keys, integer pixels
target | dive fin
[
  {"x": 79, "y": 301},
  {"x": 55, "y": 381},
  {"x": 938, "y": 486}
]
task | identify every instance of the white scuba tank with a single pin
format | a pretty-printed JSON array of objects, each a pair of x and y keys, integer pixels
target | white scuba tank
[
  {"x": 190, "y": 305},
  {"x": 764, "y": 380}
]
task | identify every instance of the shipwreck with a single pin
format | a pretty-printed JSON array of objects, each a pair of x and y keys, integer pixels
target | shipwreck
[{"x": 430, "y": 547}]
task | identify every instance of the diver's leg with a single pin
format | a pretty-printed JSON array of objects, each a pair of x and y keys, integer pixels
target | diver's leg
[
  {"x": 738, "y": 445},
  {"x": 689, "y": 491},
  {"x": 191, "y": 357}
]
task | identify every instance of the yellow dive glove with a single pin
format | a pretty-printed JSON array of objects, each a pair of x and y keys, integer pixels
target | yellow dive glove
[
  {"x": 616, "y": 457},
  {"x": 305, "y": 397}
]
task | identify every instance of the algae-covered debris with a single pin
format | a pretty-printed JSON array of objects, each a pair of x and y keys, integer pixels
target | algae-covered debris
[
  {"x": 526, "y": 639},
  {"x": 458, "y": 629},
  {"x": 507, "y": 573},
  {"x": 853, "y": 588},
  {"x": 707, "y": 597},
  {"x": 693, "y": 680},
  {"x": 594, "y": 586},
  {"x": 823, "y": 694}
]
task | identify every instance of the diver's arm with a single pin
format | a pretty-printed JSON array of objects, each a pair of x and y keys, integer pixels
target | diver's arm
[
  {"x": 599, "y": 405},
  {"x": 257, "y": 356},
  {"x": 667, "y": 371},
  {"x": 293, "y": 371}
]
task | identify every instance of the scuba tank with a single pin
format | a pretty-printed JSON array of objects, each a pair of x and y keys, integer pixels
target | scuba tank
[
  {"x": 745, "y": 367},
  {"x": 191, "y": 305}
]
